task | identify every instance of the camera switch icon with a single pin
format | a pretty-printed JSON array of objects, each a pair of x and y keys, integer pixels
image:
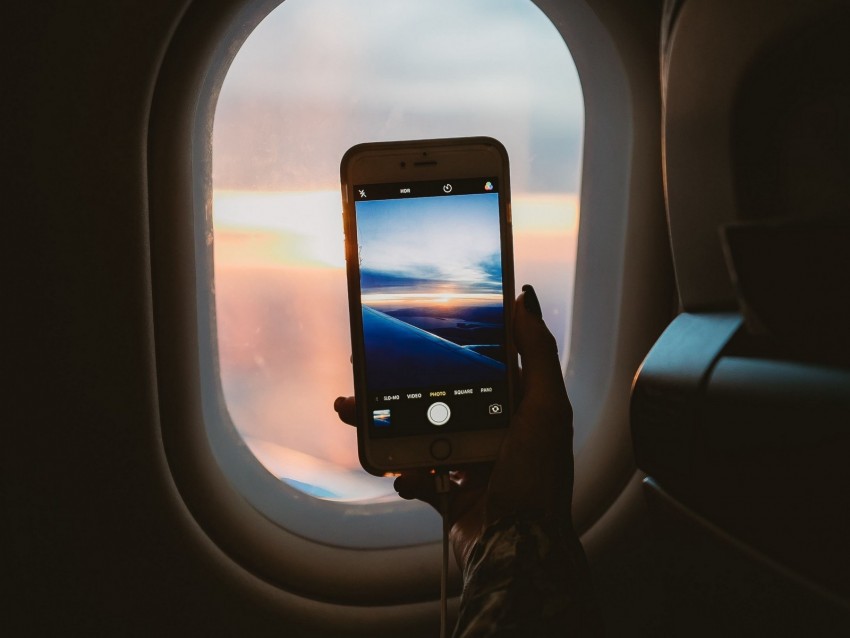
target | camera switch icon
[{"x": 495, "y": 408}]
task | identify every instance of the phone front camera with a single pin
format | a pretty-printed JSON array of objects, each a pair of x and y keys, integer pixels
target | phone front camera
[{"x": 402, "y": 164}]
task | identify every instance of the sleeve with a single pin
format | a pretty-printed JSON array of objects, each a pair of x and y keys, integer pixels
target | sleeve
[{"x": 527, "y": 577}]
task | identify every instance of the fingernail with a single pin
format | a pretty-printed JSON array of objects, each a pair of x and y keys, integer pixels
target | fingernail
[{"x": 532, "y": 303}]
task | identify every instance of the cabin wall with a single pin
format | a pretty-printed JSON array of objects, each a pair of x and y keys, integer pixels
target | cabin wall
[{"x": 95, "y": 537}]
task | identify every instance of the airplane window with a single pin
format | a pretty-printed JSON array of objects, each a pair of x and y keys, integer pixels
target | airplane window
[{"x": 313, "y": 79}]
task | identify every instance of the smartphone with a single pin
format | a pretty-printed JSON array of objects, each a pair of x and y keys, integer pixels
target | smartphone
[{"x": 429, "y": 260}]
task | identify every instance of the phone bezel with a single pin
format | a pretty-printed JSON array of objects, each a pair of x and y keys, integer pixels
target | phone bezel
[{"x": 422, "y": 160}]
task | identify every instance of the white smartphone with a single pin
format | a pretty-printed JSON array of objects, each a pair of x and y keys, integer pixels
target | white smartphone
[{"x": 431, "y": 291}]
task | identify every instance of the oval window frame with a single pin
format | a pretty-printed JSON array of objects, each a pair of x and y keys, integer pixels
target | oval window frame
[{"x": 180, "y": 132}]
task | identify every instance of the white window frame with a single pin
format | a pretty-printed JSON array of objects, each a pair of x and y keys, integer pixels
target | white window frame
[{"x": 273, "y": 531}]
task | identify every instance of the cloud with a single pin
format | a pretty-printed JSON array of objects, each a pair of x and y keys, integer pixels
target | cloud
[
  {"x": 450, "y": 239},
  {"x": 318, "y": 76}
]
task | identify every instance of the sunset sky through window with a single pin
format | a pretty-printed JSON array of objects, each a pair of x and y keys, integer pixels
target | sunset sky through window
[{"x": 316, "y": 77}]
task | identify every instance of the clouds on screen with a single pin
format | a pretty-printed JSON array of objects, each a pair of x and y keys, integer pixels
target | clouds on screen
[{"x": 448, "y": 239}]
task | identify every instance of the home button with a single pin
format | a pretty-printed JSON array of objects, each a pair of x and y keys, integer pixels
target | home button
[{"x": 441, "y": 449}]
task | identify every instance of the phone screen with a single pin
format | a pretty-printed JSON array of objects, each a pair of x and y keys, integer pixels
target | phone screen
[{"x": 433, "y": 305}]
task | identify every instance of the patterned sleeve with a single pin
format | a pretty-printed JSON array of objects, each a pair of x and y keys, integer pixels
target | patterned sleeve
[{"x": 527, "y": 577}]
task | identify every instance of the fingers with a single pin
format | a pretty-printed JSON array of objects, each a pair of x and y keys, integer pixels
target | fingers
[
  {"x": 467, "y": 487},
  {"x": 417, "y": 485},
  {"x": 542, "y": 377},
  {"x": 345, "y": 408},
  {"x": 420, "y": 484}
]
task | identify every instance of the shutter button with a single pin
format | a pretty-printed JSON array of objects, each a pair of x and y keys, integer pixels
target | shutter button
[{"x": 439, "y": 413}]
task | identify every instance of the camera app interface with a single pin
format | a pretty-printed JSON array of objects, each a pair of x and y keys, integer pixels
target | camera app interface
[{"x": 433, "y": 306}]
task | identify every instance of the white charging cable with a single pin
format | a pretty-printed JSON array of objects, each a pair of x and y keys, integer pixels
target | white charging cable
[{"x": 442, "y": 484}]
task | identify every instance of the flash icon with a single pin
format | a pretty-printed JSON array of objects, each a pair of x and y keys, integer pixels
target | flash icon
[{"x": 362, "y": 193}]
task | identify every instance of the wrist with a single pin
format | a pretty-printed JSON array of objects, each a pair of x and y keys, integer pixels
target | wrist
[
  {"x": 527, "y": 571},
  {"x": 531, "y": 536}
]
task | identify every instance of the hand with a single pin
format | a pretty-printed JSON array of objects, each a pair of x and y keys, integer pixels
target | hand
[{"x": 534, "y": 469}]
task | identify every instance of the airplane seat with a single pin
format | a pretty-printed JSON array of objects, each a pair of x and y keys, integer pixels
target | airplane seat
[{"x": 740, "y": 410}]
